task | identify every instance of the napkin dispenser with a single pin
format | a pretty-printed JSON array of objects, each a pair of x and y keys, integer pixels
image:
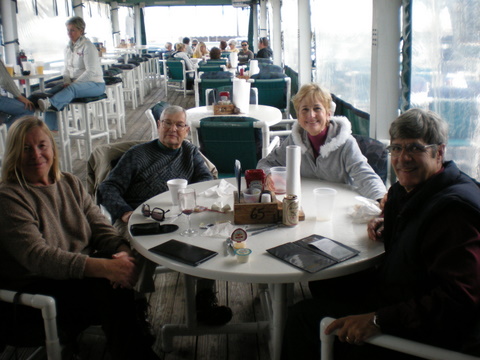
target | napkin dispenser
[{"x": 256, "y": 213}]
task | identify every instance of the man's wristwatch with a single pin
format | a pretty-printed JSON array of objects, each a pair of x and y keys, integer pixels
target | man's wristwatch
[{"x": 375, "y": 320}]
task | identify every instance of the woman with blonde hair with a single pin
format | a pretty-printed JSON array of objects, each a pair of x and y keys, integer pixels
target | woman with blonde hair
[
  {"x": 55, "y": 241},
  {"x": 200, "y": 50},
  {"x": 329, "y": 151}
]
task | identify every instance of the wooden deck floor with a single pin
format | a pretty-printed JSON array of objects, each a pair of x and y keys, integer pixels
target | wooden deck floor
[{"x": 167, "y": 302}]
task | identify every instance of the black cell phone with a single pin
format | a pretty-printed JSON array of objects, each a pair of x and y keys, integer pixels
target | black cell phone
[
  {"x": 152, "y": 228},
  {"x": 183, "y": 252}
]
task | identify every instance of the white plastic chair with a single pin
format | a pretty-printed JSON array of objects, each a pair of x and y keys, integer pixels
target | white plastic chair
[
  {"x": 393, "y": 343},
  {"x": 49, "y": 313},
  {"x": 153, "y": 123},
  {"x": 3, "y": 141}
]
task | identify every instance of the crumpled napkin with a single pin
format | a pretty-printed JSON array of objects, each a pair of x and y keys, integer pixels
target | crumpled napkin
[
  {"x": 366, "y": 210},
  {"x": 224, "y": 188},
  {"x": 223, "y": 230}
]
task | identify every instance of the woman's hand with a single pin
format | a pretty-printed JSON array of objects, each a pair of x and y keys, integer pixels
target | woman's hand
[
  {"x": 120, "y": 270},
  {"x": 375, "y": 229},
  {"x": 126, "y": 216},
  {"x": 354, "y": 329},
  {"x": 125, "y": 273},
  {"x": 28, "y": 104}
]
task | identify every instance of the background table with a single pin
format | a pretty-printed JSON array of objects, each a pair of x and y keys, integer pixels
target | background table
[
  {"x": 262, "y": 267},
  {"x": 268, "y": 114}
]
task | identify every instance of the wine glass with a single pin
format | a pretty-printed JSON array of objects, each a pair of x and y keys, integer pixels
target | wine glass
[{"x": 187, "y": 201}]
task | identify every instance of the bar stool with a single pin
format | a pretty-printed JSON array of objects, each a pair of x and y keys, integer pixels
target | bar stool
[
  {"x": 129, "y": 89},
  {"x": 116, "y": 107},
  {"x": 88, "y": 123},
  {"x": 62, "y": 138},
  {"x": 139, "y": 83}
]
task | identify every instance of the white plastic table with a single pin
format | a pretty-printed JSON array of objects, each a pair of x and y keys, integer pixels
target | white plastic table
[
  {"x": 269, "y": 114},
  {"x": 261, "y": 267}
]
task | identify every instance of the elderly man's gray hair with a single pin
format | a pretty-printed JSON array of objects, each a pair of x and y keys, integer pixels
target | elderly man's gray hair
[
  {"x": 173, "y": 109},
  {"x": 420, "y": 124}
]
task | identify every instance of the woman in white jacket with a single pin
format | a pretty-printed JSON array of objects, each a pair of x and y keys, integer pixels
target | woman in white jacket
[
  {"x": 329, "y": 151},
  {"x": 83, "y": 74}
]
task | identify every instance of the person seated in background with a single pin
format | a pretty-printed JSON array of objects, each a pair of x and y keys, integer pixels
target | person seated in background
[
  {"x": 427, "y": 288},
  {"x": 169, "y": 52},
  {"x": 122, "y": 44},
  {"x": 181, "y": 54},
  {"x": 232, "y": 46},
  {"x": 329, "y": 151},
  {"x": 215, "y": 53},
  {"x": 264, "y": 52},
  {"x": 83, "y": 73},
  {"x": 17, "y": 106},
  {"x": 188, "y": 48},
  {"x": 244, "y": 55},
  {"x": 200, "y": 51},
  {"x": 143, "y": 172},
  {"x": 55, "y": 241},
  {"x": 194, "y": 44},
  {"x": 223, "y": 46}
]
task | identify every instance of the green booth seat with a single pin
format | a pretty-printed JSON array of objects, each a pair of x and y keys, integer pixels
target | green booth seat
[{"x": 224, "y": 139}]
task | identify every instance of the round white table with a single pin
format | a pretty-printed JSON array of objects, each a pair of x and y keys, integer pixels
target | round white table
[
  {"x": 261, "y": 267},
  {"x": 270, "y": 115}
]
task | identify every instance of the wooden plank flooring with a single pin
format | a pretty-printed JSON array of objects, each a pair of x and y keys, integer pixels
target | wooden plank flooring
[{"x": 167, "y": 303}]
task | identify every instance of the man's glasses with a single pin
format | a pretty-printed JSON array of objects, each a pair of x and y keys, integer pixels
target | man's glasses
[
  {"x": 156, "y": 214},
  {"x": 169, "y": 125},
  {"x": 411, "y": 149},
  {"x": 244, "y": 44}
]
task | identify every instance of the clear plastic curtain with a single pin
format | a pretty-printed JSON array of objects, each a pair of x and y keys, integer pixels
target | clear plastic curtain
[
  {"x": 42, "y": 34},
  {"x": 445, "y": 72},
  {"x": 343, "y": 32}
]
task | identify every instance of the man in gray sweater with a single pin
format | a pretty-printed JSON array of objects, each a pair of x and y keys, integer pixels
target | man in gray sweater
[{"x": 143, "y": 172}]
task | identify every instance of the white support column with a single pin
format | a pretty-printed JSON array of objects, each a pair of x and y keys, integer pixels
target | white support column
[
  {"x": 304, "y": 43},
  {"x": 263, "y": 19},
  {"x": 10, "y": 31},
  {"x": 115, "y": 25},
  {"x": 385, "y": 78},
  {"x": 138, "y": 29},
  {"x": 78, "y": 7},
  {"x": 254, "y": 45},
  {"x": 276, "y": 37}
]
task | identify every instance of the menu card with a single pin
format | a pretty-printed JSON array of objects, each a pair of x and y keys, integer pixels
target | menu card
[{"x": 313, "y": 253}]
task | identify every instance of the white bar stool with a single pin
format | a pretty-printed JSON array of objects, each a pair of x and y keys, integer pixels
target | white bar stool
[
  {"x": 129, "y": 88},
  {"x": 116, "y": 107},
  {"x": 91, "y": 125}
]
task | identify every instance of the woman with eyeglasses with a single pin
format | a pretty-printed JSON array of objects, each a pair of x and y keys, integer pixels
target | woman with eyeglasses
[
  {"x": 244, "y": 55},
  {"x": 55, "y": 241},
  {"x": 329, "y": 151}
]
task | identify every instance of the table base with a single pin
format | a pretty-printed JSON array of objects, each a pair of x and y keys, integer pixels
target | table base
[{"x": 274, "y": 302}]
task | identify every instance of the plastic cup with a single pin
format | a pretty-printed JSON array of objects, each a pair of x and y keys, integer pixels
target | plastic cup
[
  {"x": 39, "y": 66},
  {"x": 324, "y": 201},
  {"x": 279, "y": 178},
  {"x": 173, "y": 186},
  {"x": 10, "y": 69},
  {"x": 252, "y": 195},
  {"x": 243, "y": 254}
]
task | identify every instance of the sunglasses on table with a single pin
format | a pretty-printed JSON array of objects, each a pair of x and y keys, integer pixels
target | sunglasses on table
[{"x": 156, "y": 214}]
